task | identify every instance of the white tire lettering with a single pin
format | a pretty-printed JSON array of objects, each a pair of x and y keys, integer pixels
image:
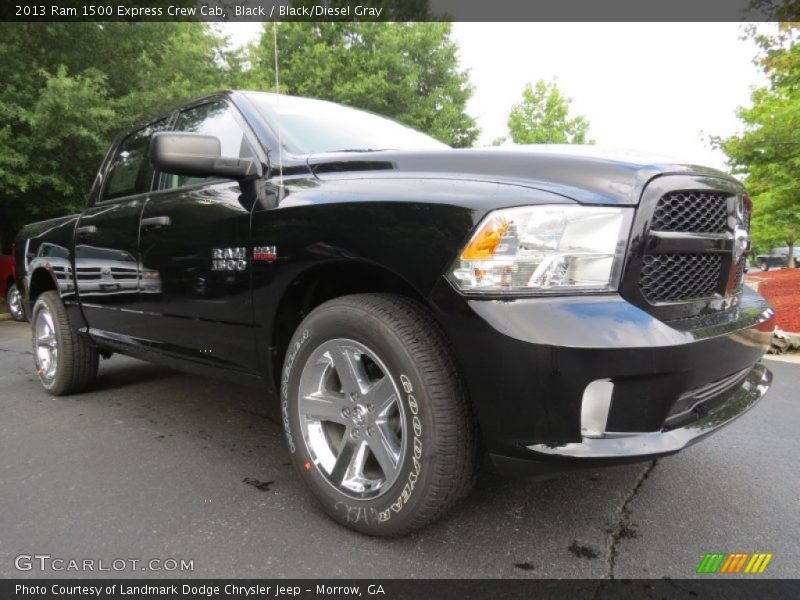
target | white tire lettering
[
  {"x": 416, "y": 468},
  {"x": 287, "y": 371}
]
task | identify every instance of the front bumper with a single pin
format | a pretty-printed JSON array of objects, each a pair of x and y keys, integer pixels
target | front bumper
[
  {"x": 528, "y": 362},
  {"x": 650, "y": 445}
]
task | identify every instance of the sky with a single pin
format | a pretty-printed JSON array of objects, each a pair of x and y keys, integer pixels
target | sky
[{"x": 660, "y": 88}]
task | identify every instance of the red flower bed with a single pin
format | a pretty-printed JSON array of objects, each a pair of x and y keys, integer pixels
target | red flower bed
[
  {"x": 774, "y": 274},
  {"x": 782, "y": 289}
]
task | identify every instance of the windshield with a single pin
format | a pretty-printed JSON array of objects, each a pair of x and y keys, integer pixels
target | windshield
[{"x": 311, "y": 126}]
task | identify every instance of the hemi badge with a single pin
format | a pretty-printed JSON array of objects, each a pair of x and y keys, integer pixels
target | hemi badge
[{"x": 268, "y": 253}]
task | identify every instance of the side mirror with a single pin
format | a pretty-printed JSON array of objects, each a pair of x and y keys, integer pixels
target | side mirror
[{"x": 197, "y": 155}]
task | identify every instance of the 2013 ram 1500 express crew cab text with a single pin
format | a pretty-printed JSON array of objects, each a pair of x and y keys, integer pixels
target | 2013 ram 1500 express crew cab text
[{"x": 414, "y": 306}]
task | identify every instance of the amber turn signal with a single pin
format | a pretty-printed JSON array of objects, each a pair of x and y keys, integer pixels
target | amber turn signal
[{"x": 485, "y": 242}]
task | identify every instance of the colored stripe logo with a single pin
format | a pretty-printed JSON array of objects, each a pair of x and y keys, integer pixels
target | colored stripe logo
[{"x": 734, "y": 563}]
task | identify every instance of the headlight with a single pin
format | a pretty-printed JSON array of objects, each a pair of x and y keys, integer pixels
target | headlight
[{"x": 545, "y": 249}]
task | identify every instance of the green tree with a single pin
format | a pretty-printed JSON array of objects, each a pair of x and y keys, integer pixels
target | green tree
[
  {"x": 767, "y": 152},
  {"x": 542, "y": 117},
  {"x": 405, "y": 71},
  {"x": 69, "y": 87}
]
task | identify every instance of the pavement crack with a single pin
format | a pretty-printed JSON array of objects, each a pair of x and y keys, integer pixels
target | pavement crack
[
  {"x": 21, "y": 353},
  {"x": 622, "y": 528}
]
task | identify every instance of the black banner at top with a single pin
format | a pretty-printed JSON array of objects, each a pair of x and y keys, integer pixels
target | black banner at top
[{"x": 400, "y": 10}]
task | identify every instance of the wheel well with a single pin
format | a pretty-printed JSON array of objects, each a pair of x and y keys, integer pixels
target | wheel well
[
  {"x": 41, "y": 281},
  {"x": 320, "y": 284}
]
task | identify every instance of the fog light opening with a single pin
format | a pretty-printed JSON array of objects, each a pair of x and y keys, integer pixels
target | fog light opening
[{"x": 595, "y": 406}]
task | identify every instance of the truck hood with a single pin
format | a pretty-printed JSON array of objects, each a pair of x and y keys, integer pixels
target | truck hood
[{"x": 586, "y": 174}]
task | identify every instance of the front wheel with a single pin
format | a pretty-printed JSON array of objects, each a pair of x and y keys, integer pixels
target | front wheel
[
  {"x": 764, "y": 265},
  {"x": 375, "y": 414},
  {"x": 66, "y": 362},
  {"x": 14, "y": 303}
]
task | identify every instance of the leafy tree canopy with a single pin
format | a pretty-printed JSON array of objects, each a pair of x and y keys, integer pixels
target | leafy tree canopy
[
  {"x": 767, "y": 152},
  {"x": 406, "y": 71},
  {"x": 69, "y": 87},
  {"x": 543, "y": 117}
]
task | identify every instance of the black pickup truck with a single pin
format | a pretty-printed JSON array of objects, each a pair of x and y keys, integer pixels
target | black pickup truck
[
  {"x": 779, "y": 257},
  {"x": 414, "y": 307}
]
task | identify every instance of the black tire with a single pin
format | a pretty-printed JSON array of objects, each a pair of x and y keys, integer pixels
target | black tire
[
  {"x": 763, "y": 265},
  {"x": 75, "y": 369},
  {"x": 14, "y": 303},
  {"x": 438, "y": 462}
]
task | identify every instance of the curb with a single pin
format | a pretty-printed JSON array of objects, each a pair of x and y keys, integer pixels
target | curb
[{"x": 792, "y": 358}]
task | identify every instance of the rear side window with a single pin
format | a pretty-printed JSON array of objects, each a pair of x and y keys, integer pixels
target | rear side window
[
  {"x": 217, "y": 119},
  {"x": 130, "y": 171}
]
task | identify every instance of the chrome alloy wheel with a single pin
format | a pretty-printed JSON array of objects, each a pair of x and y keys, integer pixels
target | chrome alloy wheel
[
  {"x": 351, "y": 418},
  {"x": 15, "y": 304},
  {"x": 45, "y": 345}
]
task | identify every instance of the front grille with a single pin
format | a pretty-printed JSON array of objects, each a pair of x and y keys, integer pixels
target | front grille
[
  {"x": 682, "y": 258},
  {"x": 679, "y": 277},
  {"x": 691, "y": 212},
  {"x": 124, "y": 274}
]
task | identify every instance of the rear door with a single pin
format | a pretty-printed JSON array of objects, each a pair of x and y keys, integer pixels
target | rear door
[
  {"x": 194, "y": 241},
  {"x": 107, "y": 270}
]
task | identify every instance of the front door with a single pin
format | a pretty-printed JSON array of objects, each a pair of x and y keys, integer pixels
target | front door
[
  {"x": 107, "y": 270},
  {"x": 194, "y": 240}
]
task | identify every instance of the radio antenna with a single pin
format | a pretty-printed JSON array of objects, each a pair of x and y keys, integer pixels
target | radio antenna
[{"x": 277, "y": 105}]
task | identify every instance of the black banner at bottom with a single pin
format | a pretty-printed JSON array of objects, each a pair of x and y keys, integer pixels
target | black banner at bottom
[{"x": 394, "y": 589}]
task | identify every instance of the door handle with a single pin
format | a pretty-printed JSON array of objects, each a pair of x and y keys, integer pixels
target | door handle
[
  {"x": 152, "y": 222},
  {"x": 86, "y": 230}
]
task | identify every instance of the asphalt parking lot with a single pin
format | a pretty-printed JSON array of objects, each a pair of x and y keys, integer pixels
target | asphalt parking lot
[{"x": 159, "y": 464}]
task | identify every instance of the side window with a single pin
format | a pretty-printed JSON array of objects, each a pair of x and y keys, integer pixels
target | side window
[
  {"x": 217, "y": 119},
  {"x": 130, "y": 171}
]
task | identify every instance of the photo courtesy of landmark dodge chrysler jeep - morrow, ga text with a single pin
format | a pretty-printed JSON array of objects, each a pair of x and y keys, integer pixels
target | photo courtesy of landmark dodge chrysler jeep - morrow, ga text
[{"x": 414, "y": 307}]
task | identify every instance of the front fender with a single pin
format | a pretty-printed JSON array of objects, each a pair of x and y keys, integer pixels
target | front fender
[{"x": 407, "y": 229}]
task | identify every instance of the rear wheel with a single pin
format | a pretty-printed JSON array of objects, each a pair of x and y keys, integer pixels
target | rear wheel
[
  {"x": 763, "y": 265},
  {"x": 14, "y": 303},
  {"x": 375, "y": 414},
  {"x": 66, "y": 362}
]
